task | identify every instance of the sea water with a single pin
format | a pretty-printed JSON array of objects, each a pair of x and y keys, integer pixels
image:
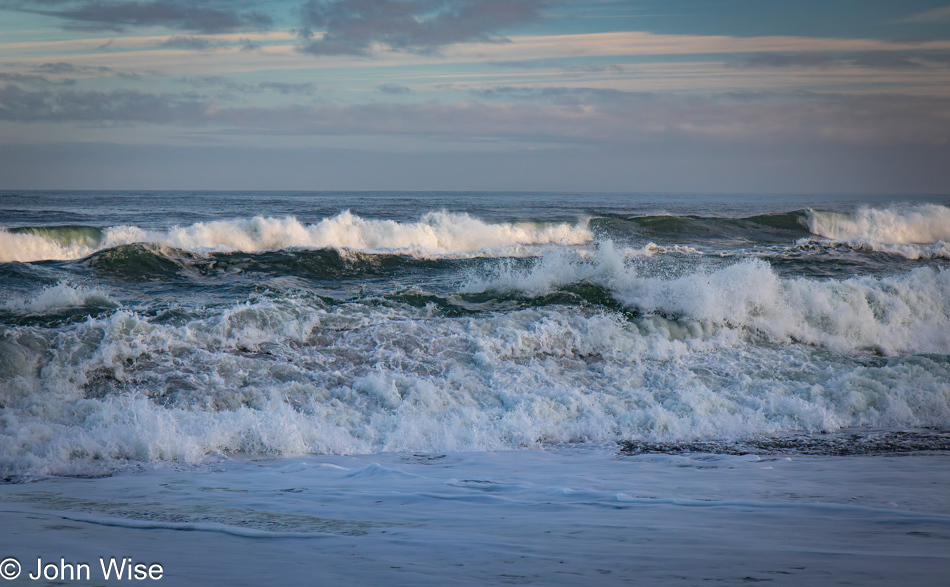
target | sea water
[{"x": 406, "y": 388}]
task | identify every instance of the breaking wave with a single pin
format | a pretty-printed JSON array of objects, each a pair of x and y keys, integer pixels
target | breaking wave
[
  {"x": 59, "y": 297},
  {"x": 926, "y": 224},
  {"x": 293, "y": 374},
  {"x": 436, "y": 234},
  {"x": 890, "y": 315},
  {"x": 914, "y": 232},
  {"x": 469, "y": 335}
]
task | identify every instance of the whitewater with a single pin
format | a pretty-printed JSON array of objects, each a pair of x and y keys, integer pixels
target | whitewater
[
  {"x": 358, "y": 367},
  {"x": 435, "y": 234}
]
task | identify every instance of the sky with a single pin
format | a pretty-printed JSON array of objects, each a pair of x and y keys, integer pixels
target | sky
[{"x": 687, "y": 96}]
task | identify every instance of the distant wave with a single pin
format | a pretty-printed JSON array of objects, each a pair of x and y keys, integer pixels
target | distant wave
[
  {"x": 785, "y": 224},
  {"x": 436, "y": 234}
]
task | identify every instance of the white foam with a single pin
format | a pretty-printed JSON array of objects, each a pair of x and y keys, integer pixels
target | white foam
[
  {"x": 904, "y": 231},
  {"x": 436, "y": 234},
  {"x": 292, "y": 376},
  {"x": 58, "y": 297},
  {"x": 937, "y": 250},
  {"x": 925, "y": 224},
  {"x": 25, "y": 248},
  {"x": 909, "y": 313}
]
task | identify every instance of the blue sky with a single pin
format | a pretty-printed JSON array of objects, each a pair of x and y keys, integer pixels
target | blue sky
[{"x": 698, "y": 96}]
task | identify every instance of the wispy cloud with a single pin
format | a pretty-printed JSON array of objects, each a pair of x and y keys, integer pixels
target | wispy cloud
[
  {"x": 229, "y": 85},
  {"x": 553, "y": 115},
  {"x": 888, "y": 60},
  {"x": 61, "y": 67},
  {"x": 204, "y": 16},
  {"x": 32, "y": 79},
  {"x": 930, "y": 16},
  {"x": 249, "y": 44},
  {"x": 893, "y": 60},
  {"x": 190, "y": 43},
  {"x": 393, "y": 89},
  {"x": 99, "y": 107},
  {"x": 786, "y": 60},
  {"x": 358, "y": 27},
  {"x": 558, "y": 65},
  {"x": 560, "y": 95}
]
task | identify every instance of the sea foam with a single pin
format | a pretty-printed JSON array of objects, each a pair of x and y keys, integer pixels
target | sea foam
[
  {"x": 436, "y": 234},
  {"x": 58, "y": 297},
  {"x": 914, "y": 232},
  {"x": 890, "y": 315},
  {"x": 27, "y": 247},
  {"x": 291, "y": 375}
]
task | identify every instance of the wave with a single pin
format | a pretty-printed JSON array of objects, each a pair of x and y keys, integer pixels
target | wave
[
  {"x": 61, "y": 296},
  {"x": 925, "y": 224},
  {"x": 154, "y": 262},
  {"x": 913, "y": 232},
  {"x": 436, "y": 234},
  {"x": 283, "y": 376},
  {"x": 889, "y": 315},
  {"x": 765, "y": 227},
  {"x": 911, "y": 252},
  {"x": 42, "y": 243}
]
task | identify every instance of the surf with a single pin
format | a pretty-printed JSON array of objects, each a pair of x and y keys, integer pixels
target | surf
[{"x": 435, "y": 234}]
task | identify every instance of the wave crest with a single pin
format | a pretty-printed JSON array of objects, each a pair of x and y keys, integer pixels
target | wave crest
[
  {"x": 891, "y": 315},
  {"x": 59, "y": 297},
  {"x": 436, "y": 234},
  {"x": 925, "y": 224}
]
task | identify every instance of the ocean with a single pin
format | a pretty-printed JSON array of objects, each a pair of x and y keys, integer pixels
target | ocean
[{"x": 475, "y": 388}]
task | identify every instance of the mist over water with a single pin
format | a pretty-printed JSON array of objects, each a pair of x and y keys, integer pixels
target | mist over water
[{"x": 139, "y": 329}]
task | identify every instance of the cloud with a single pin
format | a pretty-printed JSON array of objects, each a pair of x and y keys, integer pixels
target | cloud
[
  {"x": 62, "y": 67},
  {"x": 558, "y": 65},
  {"x": 99, "y": 107},
  {"x": 357, "y": 27},
  {"x": 555, "y": 116},
  {"x": 560, "y": 95},
  {"x": 563, "y": 116},
  {"x": 284, "y": 87},
  {"x": 32, "y": 79},
  {"x": 190, "y": 43},
  {"x": 786, "y": 60},
  {"x": 935, "y": 15},
  {"x": 249, "y": 45},
  {"x": 886, "y": 60},
  {"x": 233, "y": 86},
  {"x": 394, "y": 89},
  {"x": 869, "y": 59},
  {"x": 204, "y": 16}
]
